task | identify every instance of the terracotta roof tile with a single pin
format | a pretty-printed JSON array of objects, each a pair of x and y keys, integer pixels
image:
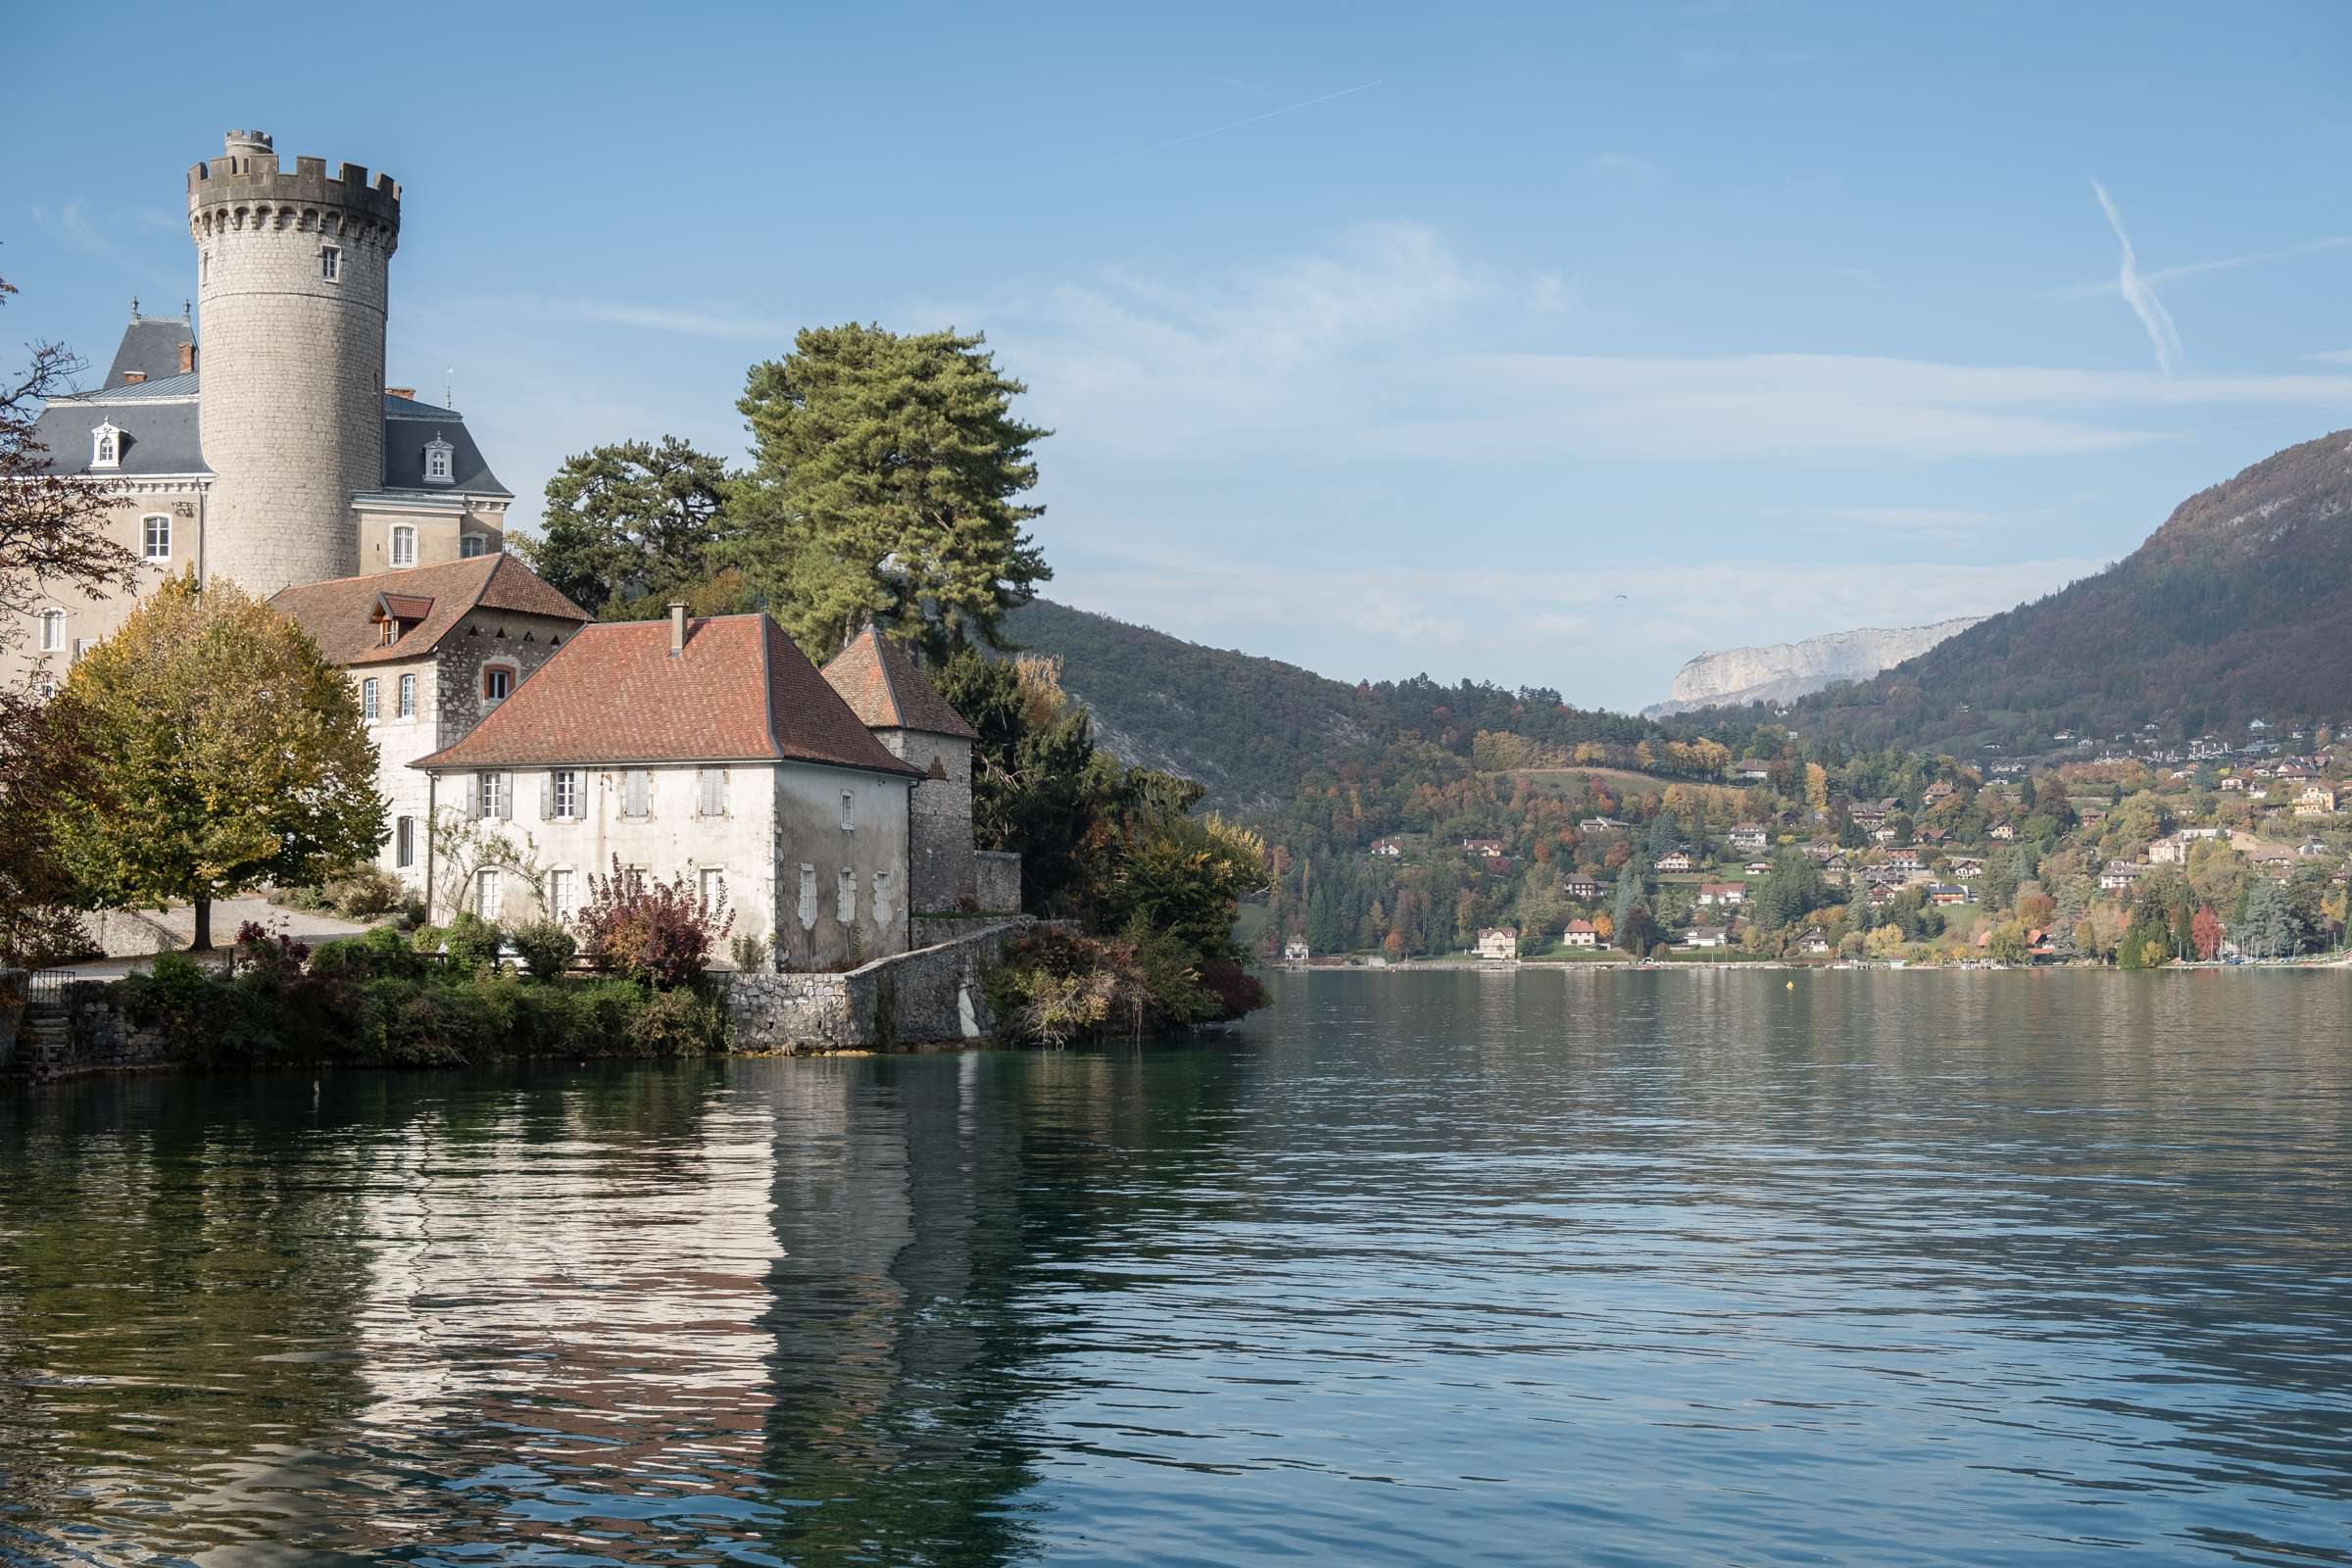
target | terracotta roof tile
[
  {"x": 614, "y": 694},
  {"x": 341, "y": 613},
  {"x": 886, "y": 691}
]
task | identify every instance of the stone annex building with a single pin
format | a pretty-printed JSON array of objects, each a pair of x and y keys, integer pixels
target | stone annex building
[{"x": 523, "y": 747}]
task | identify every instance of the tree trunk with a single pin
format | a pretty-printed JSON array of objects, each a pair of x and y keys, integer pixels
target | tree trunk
[{"x": 203, "y": 941}]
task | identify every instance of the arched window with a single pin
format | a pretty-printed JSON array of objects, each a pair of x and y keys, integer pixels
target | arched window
[
  {"x": 439, "y": 461},
  {"x": 403, "y": 545},
  {"x": 472, "y": 545},
  {"x": 155, "y": 537},
  {"x": 106, "y": 447}
]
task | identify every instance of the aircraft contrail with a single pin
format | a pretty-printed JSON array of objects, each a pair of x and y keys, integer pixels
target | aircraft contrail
[
  {"x": 1219, "y": 131},
  {"x": 2171, "y": 356}
]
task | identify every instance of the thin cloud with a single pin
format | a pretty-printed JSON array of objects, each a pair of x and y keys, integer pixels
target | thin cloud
[
  {"x": 2331, "y": 357},
  {"x": 1620, "y": 163},
  {"x": 2169, "y": 275},
  {"x": 1859, "y": 276},
  {"x": 1914, "y": 519},
  {"x": 2163, "y": 336},
  {"x": 711, "y": 320},
  {"x": 1237, "y": 125}
]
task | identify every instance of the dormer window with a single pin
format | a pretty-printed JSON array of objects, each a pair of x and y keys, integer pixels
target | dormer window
[
  {"x": 106, "y": 447},
  {"x": 439, "y": 461}
]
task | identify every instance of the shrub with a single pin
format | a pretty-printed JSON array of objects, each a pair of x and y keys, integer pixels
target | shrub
[
  {"x": 659, "y": 933},
  {"x": 546, "y": 949},
  {"x": 266, "y": 953},
  {"x": 379, "y": 952},
  {"x": 428, "y": 938},
  {"x": 751, "y": 956},
  {"x": 472, "y": 942},
  {"x": 364, "y": 892}
]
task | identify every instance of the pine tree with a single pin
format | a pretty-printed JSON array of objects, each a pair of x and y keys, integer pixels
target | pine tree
[{"x": 883, "y": 489}]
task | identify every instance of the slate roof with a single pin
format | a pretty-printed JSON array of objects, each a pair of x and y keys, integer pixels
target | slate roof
[
  {"x": 158, "y": 416},
  {"x": 151, "y": 343},
  {"x": 886, "y": 691},
  {"x": 614, "y": 694},
  {"x": 408, "y": 425},
  {"x": 343, "y": 614}
]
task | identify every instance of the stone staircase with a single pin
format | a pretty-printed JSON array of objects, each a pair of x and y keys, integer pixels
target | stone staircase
[{"x": 44, "y": 1038}]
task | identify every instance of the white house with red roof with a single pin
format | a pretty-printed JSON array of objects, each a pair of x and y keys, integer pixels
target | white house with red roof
[{"x": 705, "y": 748}]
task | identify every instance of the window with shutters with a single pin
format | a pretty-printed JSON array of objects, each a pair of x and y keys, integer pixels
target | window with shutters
[
  {"x": 498, "y": 683},
  {"x": 560, "y": 901},
  {"x": 408, "y": 697},
  {"x": 564, "y": 793},
  {"x": 807, "y": 896},
  {"x": 490, "y": 796},
  {"x": 637, "y": 792},
  {"x": 486, "y": 893},
  {"x": 882, "y": 898},
  {"x": 845, "y": 898},
  {"x": 711, "y": 791},
  {"x": 367, "y": 697},
  {"x": 404, "y": 843}
]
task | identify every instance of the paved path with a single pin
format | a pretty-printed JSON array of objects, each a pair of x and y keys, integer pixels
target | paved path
[{"x": 302, "y": 925}]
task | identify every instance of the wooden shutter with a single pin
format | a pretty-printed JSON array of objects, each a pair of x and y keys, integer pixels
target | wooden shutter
[
  {"x": 547, "y": 796},
  {"x": 505, "y": 797}
]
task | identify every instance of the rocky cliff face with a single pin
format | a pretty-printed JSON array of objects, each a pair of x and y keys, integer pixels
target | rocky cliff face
[{"x": 1785, "y": 671}]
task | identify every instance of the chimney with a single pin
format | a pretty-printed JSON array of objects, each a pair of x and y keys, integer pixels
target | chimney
[
  {"x": 187, "y": 357},
  {"x": 677, "y": 627},
  {"x": 133, "y": 377},
  {"x": 408, "y": 392}
]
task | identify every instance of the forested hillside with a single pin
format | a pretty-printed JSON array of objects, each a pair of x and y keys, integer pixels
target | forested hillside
[{"x": 2239, "y": 607}]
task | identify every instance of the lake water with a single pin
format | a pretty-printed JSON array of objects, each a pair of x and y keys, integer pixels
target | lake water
[{"x": 1537, "y": 1268}]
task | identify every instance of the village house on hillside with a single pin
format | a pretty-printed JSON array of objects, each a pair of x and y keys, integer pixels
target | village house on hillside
[
  {"x": 1499, "y": 943},
  {"x": 1673, "y": 860},
  {"x": 1580, "y": 934}
]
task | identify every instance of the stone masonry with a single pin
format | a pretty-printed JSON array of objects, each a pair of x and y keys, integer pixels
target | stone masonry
[
  {"x": 931, "y": 997},
  {"x": 292, "y": 412}
]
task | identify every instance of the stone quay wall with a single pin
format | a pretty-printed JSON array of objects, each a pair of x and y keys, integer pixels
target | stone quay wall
[
  {"x": 933, "y": 995},
  {"x": 83, "y": 1031}
]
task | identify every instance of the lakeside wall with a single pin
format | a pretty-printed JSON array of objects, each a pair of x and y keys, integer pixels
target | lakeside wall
[{"x": 933, "y": 995}]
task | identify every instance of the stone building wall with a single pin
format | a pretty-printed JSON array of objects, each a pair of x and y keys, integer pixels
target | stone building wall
[
  {"x": 939, "y": 819},
  {"x": 291, "y": 419},
  {"x": 996, "y": 881},
  {"x": 92, "y": 618}
]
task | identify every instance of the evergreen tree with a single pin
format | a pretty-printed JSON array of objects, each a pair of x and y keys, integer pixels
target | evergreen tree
[
  {"x": 630, "y": 521},
  {"x": 883, "y": 489}
]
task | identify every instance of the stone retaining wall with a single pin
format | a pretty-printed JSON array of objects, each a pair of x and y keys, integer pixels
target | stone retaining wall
[
  {"x": 932, "y": 995},
  {"x": 96, "y": 1038}
]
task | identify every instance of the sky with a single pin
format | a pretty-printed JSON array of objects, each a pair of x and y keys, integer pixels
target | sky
[{"x": 1544, "y": 344}]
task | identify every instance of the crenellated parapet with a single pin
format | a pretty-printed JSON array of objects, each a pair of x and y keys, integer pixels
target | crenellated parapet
[{"x": 246, "y": 190}]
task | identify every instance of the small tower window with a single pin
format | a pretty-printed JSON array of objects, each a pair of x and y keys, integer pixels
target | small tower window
[
  {"x": 155, "y": 537},
  {"x": 439, "y": 461},
  {"x": 106, "y": 447},
  {"x": 472, "y": 545},
  {"x": 403, "y": 545},
  {"x": 330, "y": 263}
]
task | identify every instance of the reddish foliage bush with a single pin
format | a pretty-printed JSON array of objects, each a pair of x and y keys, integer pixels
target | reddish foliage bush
[
  {"x": 1237, "y": 990},
  {"x": 272, "y": 953},
  {"x": 661, "y": 933}
]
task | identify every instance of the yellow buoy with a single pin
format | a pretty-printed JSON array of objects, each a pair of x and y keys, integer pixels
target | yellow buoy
[{"x": 1792, "y": 985}]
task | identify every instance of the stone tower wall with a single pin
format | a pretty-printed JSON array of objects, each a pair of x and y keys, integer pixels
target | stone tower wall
[
  {"x": 939, "y": 821},
  {"x": 292, "y": 415}
]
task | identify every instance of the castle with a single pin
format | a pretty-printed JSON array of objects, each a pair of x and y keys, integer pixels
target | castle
[{"x": 522, "y": 748}]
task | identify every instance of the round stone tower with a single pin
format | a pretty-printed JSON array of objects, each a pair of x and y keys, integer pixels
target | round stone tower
[{"x": 293, "y": 272}]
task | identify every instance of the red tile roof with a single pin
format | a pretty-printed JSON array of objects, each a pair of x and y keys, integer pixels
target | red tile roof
[
  {"x": 886, "y": 691},
  {"x": 344, "y": 614},
  {"x": 614, "y": 694}
]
